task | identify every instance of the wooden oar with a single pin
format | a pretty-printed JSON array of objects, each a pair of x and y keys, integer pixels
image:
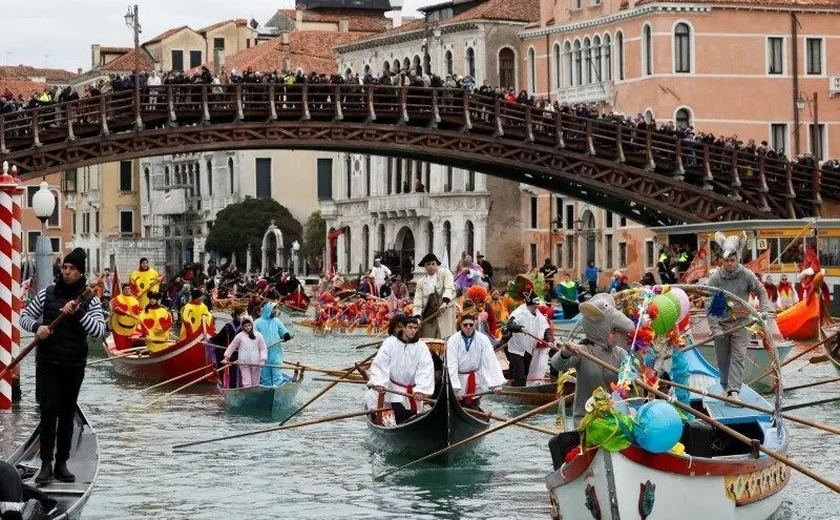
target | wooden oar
[
  {"x": 754, "y": 444},
  {"x": 475, "y": 437},
  {"x": 202, "y": 378},
  {"x": 281, "y": 426},
  {"x": 372, "y": 343},
  {"x": 123, "y": 353},
  {"x": 176, "y": 378},
  {"x": 809, "y": 385},
  {"x": 525, "y": 425},
  {"x": 789, "y": 360},
  {"x": 86, "y": 295},
  {"x": 330, "y": 380},
  {"x": 812, "y": 403}
]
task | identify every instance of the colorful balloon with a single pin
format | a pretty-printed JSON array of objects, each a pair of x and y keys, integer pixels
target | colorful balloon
[
  {"x": 669, "y": 311},
  {"x": 685, "y": 303},
  {"x": 659, "y": 427}
]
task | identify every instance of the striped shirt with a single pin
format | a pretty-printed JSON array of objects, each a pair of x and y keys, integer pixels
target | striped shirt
[{"x": 92, "y": 321}]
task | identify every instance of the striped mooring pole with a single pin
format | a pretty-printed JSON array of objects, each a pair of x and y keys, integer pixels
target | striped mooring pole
[{"x": 10, "y": 263}]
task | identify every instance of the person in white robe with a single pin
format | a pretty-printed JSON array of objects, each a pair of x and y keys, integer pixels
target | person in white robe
[
  {"x": 380, "y": 273},
  {"x": 528, "y": 356},
  {"x": 472, "y": 363},
  {"x": 433, "y": 299},
  {"x": 403, "y": 364}
]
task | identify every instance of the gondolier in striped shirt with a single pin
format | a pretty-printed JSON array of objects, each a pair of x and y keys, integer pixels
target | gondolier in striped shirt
[{"x": 61, "y": 358}]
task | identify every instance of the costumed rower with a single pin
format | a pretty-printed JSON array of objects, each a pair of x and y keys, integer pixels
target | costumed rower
[
  {"x": 404, "y": 364},
  {"x": 528, "y": 357},
  {"x": 603, "y": 326},
  {"x": 143, "y": 281},
  {"x": 156, "y": 324},
  {"x": 275, "y": 333},
  {"x": 196, "y": 317},
  {"x": 433, "y": 299},
  {"x": 223, "y": 339},
  {"x": 567, "y": 291},
  {"x": 252, "y": 350},
  {"x": 472, "y": 363},
  {"x": 787, "y": 295},
  {"x": 731, "y": 349},
  {"x": 125, "y": 312}
]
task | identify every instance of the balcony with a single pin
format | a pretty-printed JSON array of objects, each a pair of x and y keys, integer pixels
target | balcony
[
  {"x": 400, "y": 205},
  {"x": 589, "y": 93}
]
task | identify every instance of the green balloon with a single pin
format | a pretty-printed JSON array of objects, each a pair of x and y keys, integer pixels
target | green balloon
[{"x": 669, "y": 312}]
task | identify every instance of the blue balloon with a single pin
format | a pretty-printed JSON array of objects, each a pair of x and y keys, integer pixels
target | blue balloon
[{"x": 660, "y": 427}]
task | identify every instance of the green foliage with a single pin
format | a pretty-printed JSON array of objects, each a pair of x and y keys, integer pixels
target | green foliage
[
  {"x": 314, "y": 237},
  {"x": 245, "y": 223}
]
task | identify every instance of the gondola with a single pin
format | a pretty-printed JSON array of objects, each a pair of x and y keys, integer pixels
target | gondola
[
  {"x": 63, "y": 500},
  {"x": 446, "y": 423},
  {"x": 262, "y": 399},
  {"x": 182, "y": 357}
]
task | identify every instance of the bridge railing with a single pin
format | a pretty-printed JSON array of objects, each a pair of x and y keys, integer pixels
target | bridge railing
[{"x": 772, "y": 184}]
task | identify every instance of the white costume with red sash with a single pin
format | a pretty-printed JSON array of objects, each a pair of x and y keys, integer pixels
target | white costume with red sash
[
  {"x": 473, "y": 366},
  {"x": 403, "y": 367}
]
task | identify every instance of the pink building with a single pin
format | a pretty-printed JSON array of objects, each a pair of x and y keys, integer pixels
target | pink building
[{"x": 761, "y": 70}]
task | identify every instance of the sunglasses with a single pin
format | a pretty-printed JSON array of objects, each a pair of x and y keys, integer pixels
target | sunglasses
[{"x": 468, "y": 324}]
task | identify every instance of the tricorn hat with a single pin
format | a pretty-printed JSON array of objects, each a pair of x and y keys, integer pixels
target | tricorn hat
[{"x": 428, "y": 258}]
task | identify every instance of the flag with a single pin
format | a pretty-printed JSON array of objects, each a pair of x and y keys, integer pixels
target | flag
[
  {"x": 699, "y": 266},
  {"x": 759, "y": 264},
  {"x": 809, "y": 259}
]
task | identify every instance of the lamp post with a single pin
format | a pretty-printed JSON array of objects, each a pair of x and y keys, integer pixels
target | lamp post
[
  {"x": 801, "y": 102},
  {"x": 295, "y": 257},
  {"x": 132, "y": 20},
  {"x": 44, "y": 204}
]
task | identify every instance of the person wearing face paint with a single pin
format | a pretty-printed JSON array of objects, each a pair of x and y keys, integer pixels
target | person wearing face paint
[
  {"x": 787, "y": 296},
  {"x": 252, "y": 352},
  {"x": 472, "y": 363}
]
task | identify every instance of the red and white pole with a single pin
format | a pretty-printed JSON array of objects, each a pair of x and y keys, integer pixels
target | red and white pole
[
  {"x": 9, "y": 291},
  {"x": 17, "y": 279}
]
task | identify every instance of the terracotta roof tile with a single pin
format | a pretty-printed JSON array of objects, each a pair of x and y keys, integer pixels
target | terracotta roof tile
[
  {"x": 763, "y": 3},
  {"x": 21, "y": 87},
  {"x": 366, "y": 22},
  {"x": 24, "y": 72},
  {"x": 308, "y": 50},
  {"x": 166, "y": 34},
  {"x": 126, "y": 63},
  {"x": 238, "y": 21}
]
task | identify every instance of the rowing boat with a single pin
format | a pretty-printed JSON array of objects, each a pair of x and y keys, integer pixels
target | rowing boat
[
  {"x": 444, "y": 424},
  {"x": 180, "y": 358},
  {"x": 263, "y": 399},
  {"x": 534, "y": 395},
  {"x": 336, "y": 330},
  {"x": 66, "y": 499}
]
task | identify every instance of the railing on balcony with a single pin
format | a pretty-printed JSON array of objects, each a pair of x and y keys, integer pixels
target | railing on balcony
[
  {"x": 589, "y": 93},
  {"x": 404, "y": 205}
]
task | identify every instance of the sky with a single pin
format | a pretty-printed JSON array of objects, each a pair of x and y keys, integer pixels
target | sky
[{"x": 59, "y": 33}]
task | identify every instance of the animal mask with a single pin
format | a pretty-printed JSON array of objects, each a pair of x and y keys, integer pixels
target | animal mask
[
  {"x": 600, "y": 317},
  {"x": 733, "y": 245}
]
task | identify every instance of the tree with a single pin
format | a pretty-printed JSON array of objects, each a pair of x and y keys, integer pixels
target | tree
[
  {"x": 314, "y": 237},
  {"x": 245, "y": 223}
]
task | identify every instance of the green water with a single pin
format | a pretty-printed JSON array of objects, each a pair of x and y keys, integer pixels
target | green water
[{"x": 326, "y": 471}]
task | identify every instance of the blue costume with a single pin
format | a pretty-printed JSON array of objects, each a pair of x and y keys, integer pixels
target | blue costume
[{"x": 274, "y": 333}]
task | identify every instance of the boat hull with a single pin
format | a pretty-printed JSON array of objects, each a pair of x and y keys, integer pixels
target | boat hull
[
  {"x": 261, "y": 399},
  {"x": 182, "y": 357},
  {"x": 634, "y": 483},
  {"x": 536, "y": 395},
  {"x": 758, "y": 363}
]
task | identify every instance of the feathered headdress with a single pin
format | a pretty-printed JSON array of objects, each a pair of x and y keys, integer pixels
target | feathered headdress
[{"x": 477, "y": 294}]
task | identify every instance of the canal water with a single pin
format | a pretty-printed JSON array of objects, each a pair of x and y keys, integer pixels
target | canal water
[{"x": 326, "y": 471}]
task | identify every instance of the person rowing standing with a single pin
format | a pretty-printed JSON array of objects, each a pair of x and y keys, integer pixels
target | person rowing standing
[{"x": 472, "y": 363}]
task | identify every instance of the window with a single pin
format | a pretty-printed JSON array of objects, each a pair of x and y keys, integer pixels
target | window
[
  {"x": 622, "y": 255},
  {"x": 85, "y": 223},
  {"x": 532, "y": 71},
  {"x": 148, "y": 183},
  {"x": 567, "y": 65},
  {"x": 53, "y": 220},
  {"x": 683, "y": 118},
  {"x": 817, "y": 140},
  {"x": 209, "y": 177},
  {"x": 609, "y": 219},
  {"x": 325, "y": 179},
  {"x": 608, "y": 251},
  {"x": 682, "y": 48},
  {"x": 778, "y": 137},
  {"x": 775, "y": 55},
  {"x": 389, "y": 176},
  {"x": 647, "y": 51},
  {"x": 558, "y": 213},
  {"x": 96, "y": 222},
  {"x": 447, "y": 239},
  {"x": 813, "y": 53},
  {"x": 471, "y": 62},
  {"x": 73, "y": 222},
  {"x": 55, "y": 243},
  {"x": 126, "y": 221},
  {"x": 533, "y": 255},
  {"x": 557, "y": 59},
  {"x": 32, "y": 240},
  {"x": 125, "y": 175},
  {"x": 469, "y": 230},
  {"x": 578, "y": 75},
  {"x": 248, "y": 43},
  {"x": 430, "y": 236},
  {"x": 649, "y": 259},
  {"x": 470, "y": 185},
  {"x": 587, "y": 61},
  {"x": 230, "y": 173},
  {"x": 596, "y": 59},
  {"x": 348, "y": 173},
  {"x": 607, "y": 58},
  {"x": 447, "y": 61},
  {"x": 218, "y": 44},
  {"x": 178, "y": 61},
  {"x": 534, "y": 208},
  {"x": 622, "y": 222},
  {"x": 68, "y": 181},
  {"x": 263, "y": 167},
  {"x": 620, "y": 42},
  {"x": 577, "y": 4},
  {"x": 166, "y": 177},
  {"x": 507, "y": 68},
  {"x": 570, "y": 254},
  {"x": 367, "y": 175},
  {"x": 570, "y": 217},
  {"x": 559, "y": 253},
  {"x": 195, "y": 59},
  {"x": 447, "y": 186}
]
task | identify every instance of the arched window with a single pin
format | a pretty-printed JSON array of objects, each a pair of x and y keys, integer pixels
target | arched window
[
  {"x": 348, "y": 249},
  {"x": 166, "y": 177},
  {"x": 406, "y": 65},
  {"x": 647, "y": 51},
  {"x": 148, "y": 181},
  {"x": 367, "y": 175},
  {"x": 578, "y": 64},
  {"x": 430, "y": 236},
  {"x": 367, "y": 69},
  {"x": 386, "y": 67},
  {"x": 209, "y": 177},
  {"x": 619, "y": 37},
  {"x": 587, "y": 61},
  {"x": 177, "y": 175},
  {"x": 607, "y": 75},
  {"x": 469, "y": 232},
  {"x": 348, "y": 176},
  {"x": 596, "y": 65},
  {"x": 470, "y": 184},
  {"x": 532, "y": 71},
  {"x": 418, "y": 69},
  {"x": 366, "y": 247},
  {"x": 567, "y": 60},
  {"x": 507, "y": 68},
  {"x": 447, "y": 240},
  {"x": 556, "y": 55},
  {"x": 683, "y": 118},
  {"x": 381, "y": 240},
  {"x": 427, "y": 64},
  {"x": 471, "y": 62},
  {"x": 447, "y": 62},
  {"x": 397, "y": 66},
  {"x": 648, "y": 116},
  {"x": 230, "y": 174},
  {"x": 682, "y": 48}
]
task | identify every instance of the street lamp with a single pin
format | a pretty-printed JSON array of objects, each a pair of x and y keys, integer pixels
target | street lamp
[
  {"x": 132, "y": 21},
  {"x": 801, "y": 102},
  {"x": 44, "y": 204},
  {"x": 295, "y": 257}
]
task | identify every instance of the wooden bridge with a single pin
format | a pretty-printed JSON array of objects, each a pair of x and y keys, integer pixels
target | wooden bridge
[{"x": 652, "y": 178}]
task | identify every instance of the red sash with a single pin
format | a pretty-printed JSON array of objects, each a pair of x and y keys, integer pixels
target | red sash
[
  {"x": 409, "y": 389},
  {"x": 471, "y": 387}
]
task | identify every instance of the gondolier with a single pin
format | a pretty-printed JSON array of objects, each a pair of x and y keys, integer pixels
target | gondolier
[
  {"x": 528, "y": 356},
  {"x": 433, "y": 299},
  {"x": 731, "y": 349},
  {"x": 61, "y": 359},
  {"x": 472, "y": 363},
  {"x": 404, "y": 364}
]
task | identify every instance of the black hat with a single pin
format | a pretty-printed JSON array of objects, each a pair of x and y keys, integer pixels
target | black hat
[
  {"x": 408, "y": 318},
  {"x": 76, "y": 258},
  {"x": 428, "y": 258},
  {"x": 153, "y": 295},
  {"x": 195, "y": 293}
]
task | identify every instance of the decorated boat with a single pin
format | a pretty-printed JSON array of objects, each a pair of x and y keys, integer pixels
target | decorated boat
[
  {"x": 645, "y": 460},
  {"x": 801, "y": 322},
  {"x": 261, "y": 399},
  {"x": 536, "y": 395},
  {"x": 177, "y": 359},
  {"x": 61, "y": 500},
  {"x": 319, "y": 329}
]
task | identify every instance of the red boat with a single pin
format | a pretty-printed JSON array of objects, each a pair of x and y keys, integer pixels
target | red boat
[{"x": 182, "y": 357}]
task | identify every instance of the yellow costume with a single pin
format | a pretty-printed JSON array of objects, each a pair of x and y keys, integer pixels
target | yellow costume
[
  {"x": 156, "y": 324},
  {"x": 142, "y": 283},
  {"x": 124, "y": 315},
  {"x": 193, "y": 315}
]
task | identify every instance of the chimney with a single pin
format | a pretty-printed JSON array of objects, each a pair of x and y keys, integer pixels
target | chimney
[
  {"x": 284, "y": 38},
  {"x": 344, "y": 25},
  {"x": 95, "y": 55},
  {"x": 396, "y": 14},
  {"x": 299, "y": 20}
]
